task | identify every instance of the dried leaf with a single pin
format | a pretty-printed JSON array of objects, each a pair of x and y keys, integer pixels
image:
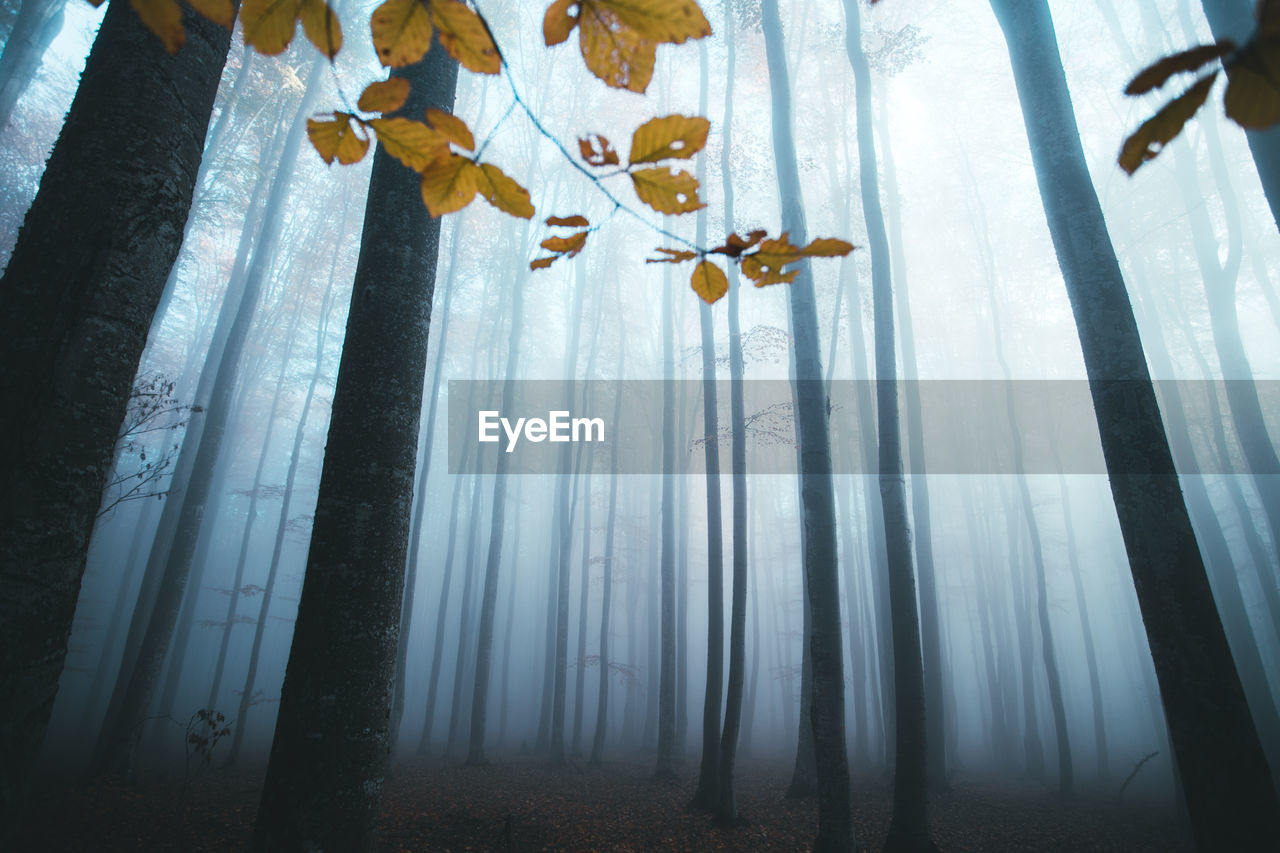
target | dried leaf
[
  {"x": 504, "y": 193},
  {"x": 1252, "y": 99},
  {"x": 673, "y": 256},
  {"x": 384, "y": 96},
  {"x": 614, "y": 52},
  {"x": 401, "y": 32},
  {"x": 597, "y": 151},
  {"x": 672, "y": 21},
  {"x": 827, "y": 247},
  {"x": 411, "y": 142},
  {"x": 164, "y": 18},
  {"x": 452, "y": 128},
  {"x": 269, "y": 25},
  {"x": 575, "y": 221},
  {"x": 543, "y": 263},
  {"x": 558, "y": 23},
  {"x": 735, "y": 245},
  {"x": 1157, "y": 74},
  {"x": 669, "y": 136},
  {"x": 449, "y": 184},
  {"x": 337, "y": 138},
  {"x": 709, "y": 282},
  {"x": 666, "y": 191},
  {"x": 464, "y": 35},
  {"x": 321, "y": 27},
  {"x": 568, "y": 246},
  {"x": 1157, "y": 131}
]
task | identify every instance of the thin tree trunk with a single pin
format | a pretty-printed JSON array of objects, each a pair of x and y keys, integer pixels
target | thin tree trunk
[{"x": 37, "y": 25}]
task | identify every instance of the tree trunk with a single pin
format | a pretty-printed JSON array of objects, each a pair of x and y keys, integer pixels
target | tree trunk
[
  {"x": 76, "y": 304},
  {"x": 324, "y": 778},
  {"x": 665, "y": 767},
  {"x": 37, "y": 25},
  {"x": 1230, "y": 798}
]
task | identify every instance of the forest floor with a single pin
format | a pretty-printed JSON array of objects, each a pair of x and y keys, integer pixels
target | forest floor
[{"x": 520, "y": 804}]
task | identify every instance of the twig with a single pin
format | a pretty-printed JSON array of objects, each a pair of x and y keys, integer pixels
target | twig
[{"x": 1136, "y": 768}]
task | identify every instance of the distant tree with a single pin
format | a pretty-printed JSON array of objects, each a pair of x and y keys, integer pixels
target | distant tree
[{"x": 37, "y": 25}]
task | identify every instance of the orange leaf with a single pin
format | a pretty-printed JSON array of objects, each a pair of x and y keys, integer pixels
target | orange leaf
[
  {"x": 597, "y": 151},
  {"x": 666, "y": 191},
  {"x": 542, "y": 263},
  {"x": 709, "y": 282},
  {"x": 673, "y": 256},
  {"x": 452, "y": 128},
  {"x": 569, "y": 246},
  {"x": 669, "y": 136},
  {"x": 465, "y": 36},
  {"x": 401, "y": 32},
  {"x": 614, "y": 52},
  {"x": 504, "y": 193},
  {"x": 321, "y": 27},
  {"x": 411, "y": 142},
  {"x": 558, "y": 23},
  {"x": 164, "y": 18},
  {"x": 827, "y": 247},
  {"x": 571, "y": 221},
  {"x": 1157, "y": 131},
  {"x": 449, "y": 184},
  {"x": 384, "y": 96},
  {"x": 1158, "y": 73},
  {"x": 337, "y": 138}
]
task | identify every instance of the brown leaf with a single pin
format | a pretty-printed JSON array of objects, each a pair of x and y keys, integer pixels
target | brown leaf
[
  {"x": 543, "y": 263},
  {"x": 1252, "y": 99},
  {"x": 614, "y": 52},
  {"x": 827, "y": 247},
  {"x": 666, "y": 191},
  {"x": 568, "y": 246},
  {"x": 384, "y": 96},
  {"x": 709, "y": 282},
  {"x": 452, "y": 128},
  {"x": 337, "y": 138},
  {"x": 672, "y": 21},
  {"x": 597, "y": 151},
  {"x": 269, "y": 25},
  {"x": 465, "y": 36},
  {"x": 735, "y": 245},
  {"x": 673, "y": 256},
  {"x": 401, "y": 32},
  {"x": 411, "y": 142},
  {"x": 504, "y": 193},
  {"x": 1157, "y": 131},
  {"x": 574, "y": 221},
  {"x": 558, "y": 23},
  {"x": 1157, "y": 74},
  {"x": 321, "y": 27},
  {"x": 669, "y": 136}
]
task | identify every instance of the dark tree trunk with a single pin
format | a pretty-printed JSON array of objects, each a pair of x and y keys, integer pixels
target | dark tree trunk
[
  {"x": 76, "y": 304},
  {"x": 1230, "y": 797},
  {"x": 665, "y": 767},
  {"x": 324, "y": 779},
  {"x": 835, "y": 821}
]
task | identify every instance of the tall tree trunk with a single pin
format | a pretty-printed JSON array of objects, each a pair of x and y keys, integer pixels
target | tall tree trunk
[
  {"x": 835, "y": 822},
  {"x": 909, "y": 828},
  {"x": 665, "y": 766},
  {"x": 324, "y": 778},
  {"x": 76, "y": 304},
  {"x": 1230, "y": 797},
  {"x": 37, "y": 25}
]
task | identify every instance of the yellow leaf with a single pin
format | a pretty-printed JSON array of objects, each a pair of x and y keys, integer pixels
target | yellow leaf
[
  {"x": 449, "y": 184},
  {"x": 321, "y": 27},
  {"x": 669, "y": 136},
  {"x": 614, "y": 52},
  {"x": 164, "y": 18},
  {"x": 218, "y": 11},
  {"x": 269, "y": 25},
  {"x": 1158, "y": 73},
  {"x": 411, "y": 142},
  {"x": 384, "y": 96},
  {"x": 1252, "y": 99},
  {"x": 452, "y": 128},
  {"x": 558, "y": 23},
  {"x": 337, "y": 138},
  {"x": 569, "y": 246},
  {"x": 597, "y": 151},
  {"x": 673, "y": 256},
  {"x": 666, "y": 191},
  {"x": 465, "y": 36},
  {"x": 763, "y": 271},
  {"x": 827, "y": 247},
  {"x": 401, "y": 32},
  {"x": 709, "y": 282},
  {"x": 573, "y": 221},
  {"x": 671, "y": 21},
  {"x": 1157, "y": 131},
  {"x": 504, "y": 193},
  {"x": 542, "y": 263}
]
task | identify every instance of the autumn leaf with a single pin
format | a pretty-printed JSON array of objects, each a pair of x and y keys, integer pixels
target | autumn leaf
[
  {"x": 464, "y": 35},
  {"x": 1157, "y": 131},
  {"x": 1157, "y": 74},
  {"x": 401, "y": 32},
  {"x": 765, "y": 270},
  {"x": 411, "y": 142},
  {"x": 666, "y": 191},
  {"x": 449, "y": 184},
  {"x": 452, "y": 128},
  {"x": 667, "y": 137},
  {"x": 567, "y": 246},
  {"x": 614, "y": 52},
  {"x": 384, "y": 96},
  {"x": 709, "y": 282},
  {"x": 321, "y": 27},
  {"x": 218, "y": 11},
  {"x": 558, "y": 23},
  {"x": 673, "y": 256},
  {"x": 672, "y": 21},
  {"x": 827, "y": 247},
  {"x": 337, "y": 138},
  {"x": 597, "y": 151},
  {"x": 164, "y": 18},
  {"x": 543, "y": 263},
  {"x": 1252, "y": 98},
  {"x": 571, "y": 221},
  {"x": 735, "y": 245},
  {"x": 504, "y": 193}
]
